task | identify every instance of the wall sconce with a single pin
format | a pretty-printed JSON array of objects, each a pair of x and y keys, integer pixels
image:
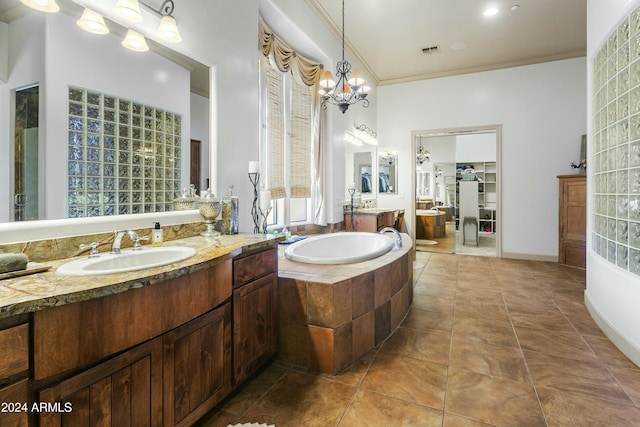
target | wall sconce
[
  {"x": 422, "y": 155},
  {"x": 49, "y": 6},
  {"x": 366, "y": 134}
]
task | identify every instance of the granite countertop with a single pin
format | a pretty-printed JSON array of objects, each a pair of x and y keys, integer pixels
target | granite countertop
[{"x": 47, "y": 289}]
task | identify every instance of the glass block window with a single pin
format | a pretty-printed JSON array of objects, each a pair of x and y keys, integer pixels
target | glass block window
[
  {"x": 615, "y": 142},
  {"x": 124, "y": 156}
]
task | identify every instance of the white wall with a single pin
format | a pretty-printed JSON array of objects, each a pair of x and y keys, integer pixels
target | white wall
[
  {"x": 477, "y": 147},
  {"x": 612, "y": 294},
  {"x": 542, "y": 110}
]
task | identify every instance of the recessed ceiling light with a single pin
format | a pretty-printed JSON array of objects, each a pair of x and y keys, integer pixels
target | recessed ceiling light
[
  {"x": 515, "y": 7},
  {"x": 490, "y": 11},
  {"x": 458, "y": 45}
]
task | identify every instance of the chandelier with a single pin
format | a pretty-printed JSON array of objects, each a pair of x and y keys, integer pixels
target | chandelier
[
  {"x": 422, "y": 155},
  {"x": 350, "y": 87}
]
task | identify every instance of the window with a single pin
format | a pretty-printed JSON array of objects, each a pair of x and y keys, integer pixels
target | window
[
  {"x": 124, "y": 157},
  {"x": 289, "y": 115}
]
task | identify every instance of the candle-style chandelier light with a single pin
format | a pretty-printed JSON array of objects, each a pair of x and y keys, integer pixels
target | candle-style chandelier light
[{"x": 350, "y": 87}]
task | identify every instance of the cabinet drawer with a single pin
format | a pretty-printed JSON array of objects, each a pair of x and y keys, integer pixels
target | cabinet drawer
[
  {"x": 15, "y": 395},
  {"x": 14, "y": 343},
  {"x": 253, "y": 266}
]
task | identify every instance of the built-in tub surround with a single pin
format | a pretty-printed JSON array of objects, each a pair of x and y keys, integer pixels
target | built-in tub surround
[{"x": 331, "y": 315}]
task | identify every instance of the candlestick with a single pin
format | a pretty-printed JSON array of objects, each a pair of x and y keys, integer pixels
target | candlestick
[{"x": 254, "y": 178}]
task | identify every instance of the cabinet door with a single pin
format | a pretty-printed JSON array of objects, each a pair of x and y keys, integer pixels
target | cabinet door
[
  {"x": 123, "y": 391},
  {"x": 255, "y": 325},
  {"x": 197, "y": 366},
  {"x": 15, "y": 403}
]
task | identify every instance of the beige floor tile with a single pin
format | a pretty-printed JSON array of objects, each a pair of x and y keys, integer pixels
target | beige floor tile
[
  {"x": 301, "y": 399},
  {"x": 485, "y": 331},
  {"x": 629, "y": 379},
  {"x": 451, "y": 420},
  {"x": 496, "y": 361},
  {"x": 428, "y": 320},
  {"x": 479, "y": 310},
  {"x": 563, "y": 409},
  {"x": 591, "y": 378},
  {"x": 492, "y": 400},
  {"x": 243, "y": 398},
  {"x": 407, "y": 379},
  {"x": 557, "y": 343},
  {"x": 376, "y": 410},
  {"x": 429, "y": 345},
  {"x": 607, "y": 351}
]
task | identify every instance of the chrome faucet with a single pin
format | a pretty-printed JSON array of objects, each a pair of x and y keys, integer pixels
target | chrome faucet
[
  {"x": 394, "y": 231},
  {"x": 115, "y": 248}
]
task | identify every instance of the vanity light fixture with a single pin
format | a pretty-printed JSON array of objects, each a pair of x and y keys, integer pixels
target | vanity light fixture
[
  {"x": 49, "y": 6},
  {"x": 349, "y": 89},
  {"x": 366, "y": 134},
  {"x": 135, "y": 41},
  {"x": 128, "y": 10},
  {"x": 92, "y": 22},
  {"x": 422, "y": 155}
]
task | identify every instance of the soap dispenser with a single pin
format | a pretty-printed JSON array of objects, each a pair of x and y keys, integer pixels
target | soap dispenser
[
  {"x": 156, "y": 235},
  {"x": 230, "y": 212}
]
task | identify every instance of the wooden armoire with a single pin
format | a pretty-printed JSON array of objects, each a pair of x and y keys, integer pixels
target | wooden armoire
[{"x": 572, "y": 231}]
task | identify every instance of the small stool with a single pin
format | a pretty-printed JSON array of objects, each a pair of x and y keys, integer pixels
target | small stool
[{"x": 470, "y": 229}]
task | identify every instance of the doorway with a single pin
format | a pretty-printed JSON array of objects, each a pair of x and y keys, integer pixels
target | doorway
[
  {"x": 26, "y": 148},
  {"x": 456, "y": 183}
]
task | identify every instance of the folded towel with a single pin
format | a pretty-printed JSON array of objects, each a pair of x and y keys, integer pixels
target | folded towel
[{"x": 13, "y": 262}]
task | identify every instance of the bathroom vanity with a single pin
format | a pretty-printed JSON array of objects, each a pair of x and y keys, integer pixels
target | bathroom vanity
[
  {"x": 371, "y": 219},
  {"x": 157, "y": 347}
]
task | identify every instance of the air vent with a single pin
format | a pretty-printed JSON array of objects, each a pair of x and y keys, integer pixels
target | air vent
[{"x": 431, "y": 50}]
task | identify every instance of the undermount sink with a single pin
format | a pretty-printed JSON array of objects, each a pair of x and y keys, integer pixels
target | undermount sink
[{"x": 127, "y": 260}]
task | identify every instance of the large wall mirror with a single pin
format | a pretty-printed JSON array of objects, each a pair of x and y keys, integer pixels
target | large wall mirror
[
  {"x": 388, "y": 172},
  {"x": 35, "y": 107},
  {"x": 363, "y": 172}
]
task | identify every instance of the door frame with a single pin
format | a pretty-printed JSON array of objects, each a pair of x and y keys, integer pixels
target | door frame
[{"x": 454, "y": 132}]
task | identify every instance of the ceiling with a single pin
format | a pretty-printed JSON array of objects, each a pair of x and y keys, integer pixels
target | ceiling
[{"x": 388, "y": 37}]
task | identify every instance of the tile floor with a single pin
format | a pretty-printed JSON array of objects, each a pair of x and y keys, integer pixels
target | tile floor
[{"x": 488, "y": 342}]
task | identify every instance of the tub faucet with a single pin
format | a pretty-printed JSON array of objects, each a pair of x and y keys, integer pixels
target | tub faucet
[
  {"x": 115, "y": 248},
  {"x": 394, "y": 231}
]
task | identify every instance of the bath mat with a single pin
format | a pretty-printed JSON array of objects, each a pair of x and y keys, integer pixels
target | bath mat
[
  {"x": 427, "y": 242},
  {"x": 251, "y": 425}
]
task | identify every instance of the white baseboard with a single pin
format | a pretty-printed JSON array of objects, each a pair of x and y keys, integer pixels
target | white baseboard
[{"x": 618, "y": 339}]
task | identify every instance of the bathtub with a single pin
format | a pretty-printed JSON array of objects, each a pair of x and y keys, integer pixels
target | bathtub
[{"x": 340, "y": 248}]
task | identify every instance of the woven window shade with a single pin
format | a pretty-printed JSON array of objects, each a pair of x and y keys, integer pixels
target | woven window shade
[
  {"x": 300, "y": 139},
  {"x": 275, "y": 130}
]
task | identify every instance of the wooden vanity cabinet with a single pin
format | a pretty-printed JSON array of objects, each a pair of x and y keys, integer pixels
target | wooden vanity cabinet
[
  {"x": 255, "y": 317},
  {"x": 369, "y": 221},
  {"x": 123, "y": 391},
  {"x": 14, "y": 372},
  {"x": 197, "y": 367}
]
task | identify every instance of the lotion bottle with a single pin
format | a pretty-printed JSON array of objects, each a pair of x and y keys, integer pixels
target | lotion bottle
[{"x": 156, "y": 235}]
